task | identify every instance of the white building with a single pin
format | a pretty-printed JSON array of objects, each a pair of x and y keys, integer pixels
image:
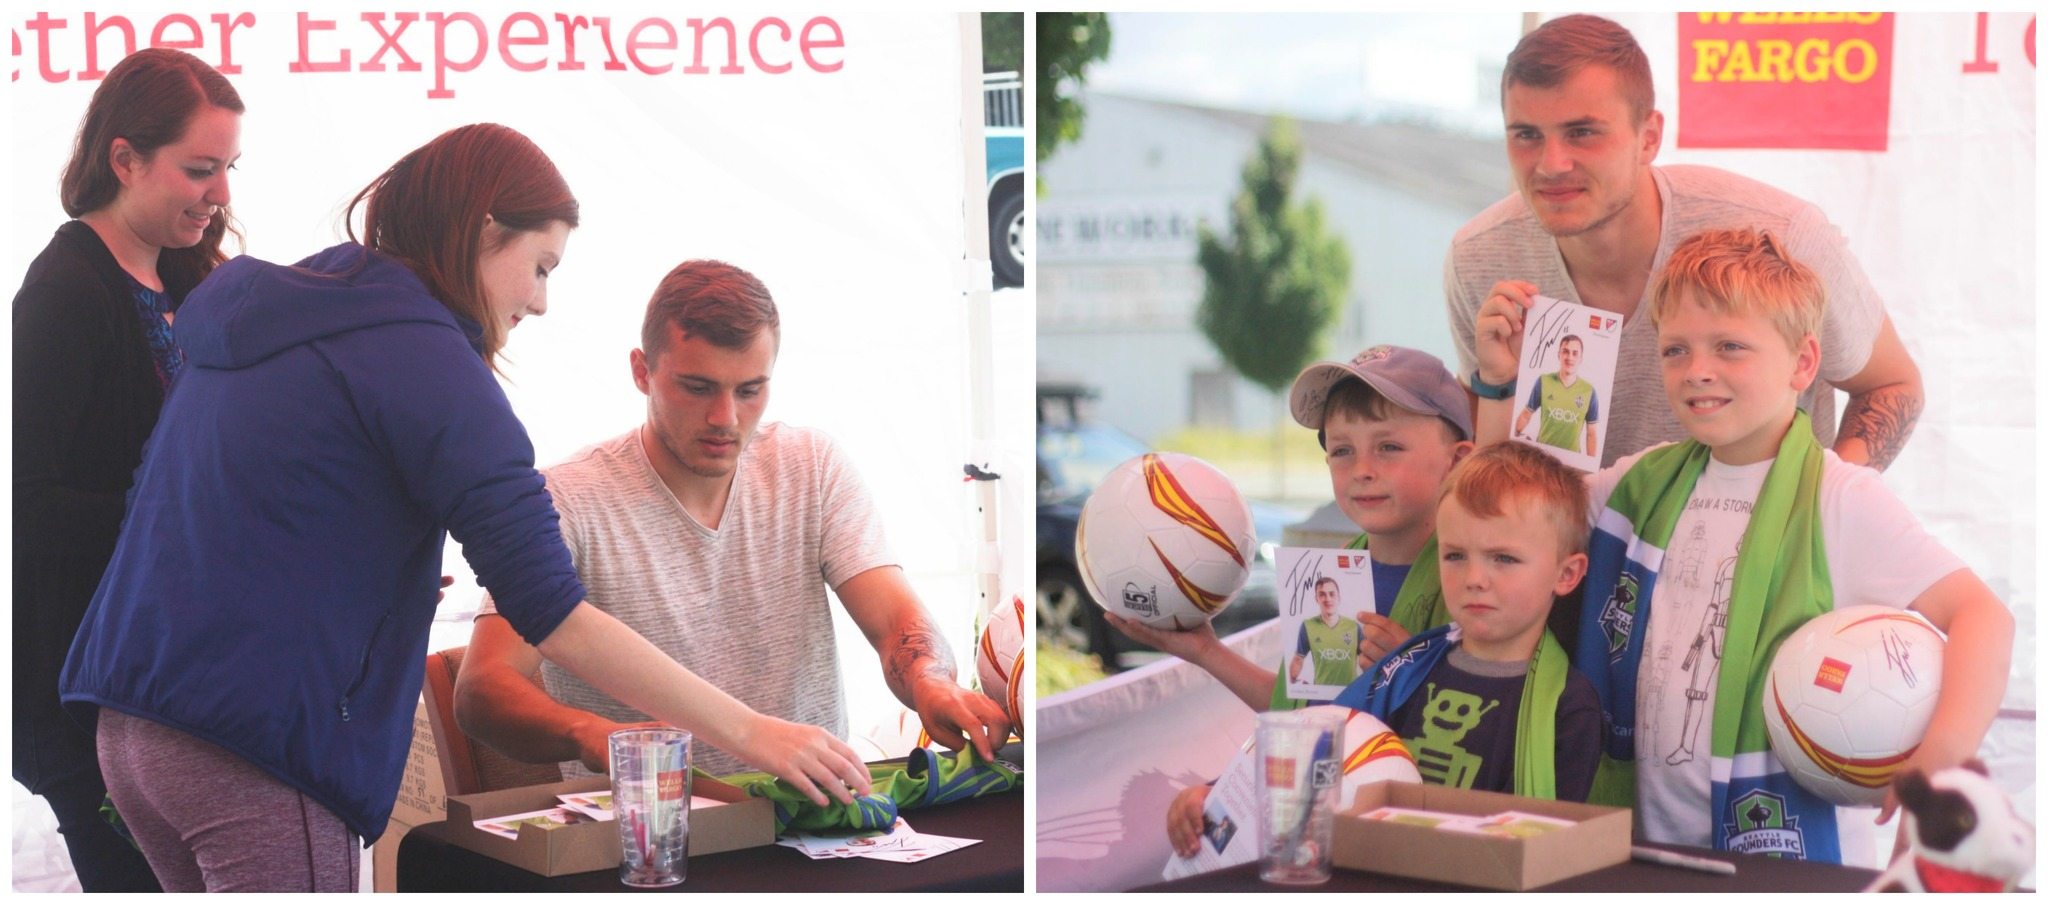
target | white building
[{"x": 1117, "y": 281}]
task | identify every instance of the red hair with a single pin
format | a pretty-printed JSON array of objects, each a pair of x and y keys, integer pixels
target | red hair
[
  {"x": 149, "y": 99},
  {"x": 428, "y": 211}
]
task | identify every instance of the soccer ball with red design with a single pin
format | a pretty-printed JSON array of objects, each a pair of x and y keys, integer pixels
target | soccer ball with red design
[
  {"x": 1165, "y": 539},
  {"x": 1849, "y": 697},
  {"x": 1373, "y": 753},
  {"x": 999, "y": 658}
]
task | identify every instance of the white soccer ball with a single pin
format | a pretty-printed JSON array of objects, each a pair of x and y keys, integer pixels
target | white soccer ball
[
  {"x": 1373, "y": 753},
  {"x": 999, "y": 658},
  {"x": 1165, "y": 539},
  {"x": 1849, "y": 697}
]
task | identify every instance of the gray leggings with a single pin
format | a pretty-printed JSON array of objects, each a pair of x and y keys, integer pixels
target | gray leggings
[{"x": 209, "y": 821}]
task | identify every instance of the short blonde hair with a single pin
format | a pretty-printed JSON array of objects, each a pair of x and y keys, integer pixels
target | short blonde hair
[
  {"x": 1514, "y": 471},
  {"x": 1745, "y": 273}
]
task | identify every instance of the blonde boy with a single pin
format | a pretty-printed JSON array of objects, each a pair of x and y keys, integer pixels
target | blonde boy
[
  {"x": 1777, "y": 530},
  {"x": 1489, "y": 701}
]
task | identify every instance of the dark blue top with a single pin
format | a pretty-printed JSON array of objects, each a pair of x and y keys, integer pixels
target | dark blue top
[
  {"x": 277, "y": 573},
  {"x": 1386, "y": 584},
  {"x": 151, "y": 308}
]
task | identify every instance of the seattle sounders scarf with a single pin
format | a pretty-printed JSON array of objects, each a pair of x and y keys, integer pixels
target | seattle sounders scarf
[
  {"x": 924, "y": 779},
  {"x": 1781, "y": 581},
  {"x": 1418, "y": 607},
  {"x": 1397, "y": 676}
]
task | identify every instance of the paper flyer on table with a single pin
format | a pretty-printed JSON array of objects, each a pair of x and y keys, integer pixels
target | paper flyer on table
[
  {"x": 547, "y": 819},
  {"x": 1230, "y": 828},
  {"x": 900, "y": 843}
]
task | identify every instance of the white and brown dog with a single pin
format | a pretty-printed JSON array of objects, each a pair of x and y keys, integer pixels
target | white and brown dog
[{"x": 1963, "y": 835}]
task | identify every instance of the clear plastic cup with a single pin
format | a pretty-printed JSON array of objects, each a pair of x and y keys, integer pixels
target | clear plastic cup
[
  {"x": 1300, "y": 772},
  {"x": 651, "y": 802}
]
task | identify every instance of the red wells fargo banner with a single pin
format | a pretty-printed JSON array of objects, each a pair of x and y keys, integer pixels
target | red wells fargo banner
[{"x": 1784, "y": 80}]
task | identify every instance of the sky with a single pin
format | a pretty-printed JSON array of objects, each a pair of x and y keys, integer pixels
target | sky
[{"x": 1316, "y": 65}]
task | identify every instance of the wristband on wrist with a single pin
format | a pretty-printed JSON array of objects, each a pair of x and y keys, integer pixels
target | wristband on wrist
[{"x": 1484, "y": 390}]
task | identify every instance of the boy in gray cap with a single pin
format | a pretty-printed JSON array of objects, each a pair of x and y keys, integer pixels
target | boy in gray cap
[{"x": 1392, "y": 421}]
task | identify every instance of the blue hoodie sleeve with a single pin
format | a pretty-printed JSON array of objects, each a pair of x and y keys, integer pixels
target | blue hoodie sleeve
[{"x": 430, "y": 402}]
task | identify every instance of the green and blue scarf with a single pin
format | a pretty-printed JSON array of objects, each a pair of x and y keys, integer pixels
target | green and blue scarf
[
  {"x": 1781, "y": 581},
  {"x": 1398, "y": 675},
  {"x": 926, "y": 778}
]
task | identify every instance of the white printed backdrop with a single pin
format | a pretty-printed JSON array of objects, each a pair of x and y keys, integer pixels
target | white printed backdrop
[
  {"x": 1943, "y": 223},
  {"x": 850, "y": 185}
]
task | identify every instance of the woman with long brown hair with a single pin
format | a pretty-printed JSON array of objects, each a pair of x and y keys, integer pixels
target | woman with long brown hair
[
  {"x": 93, "y": 358},
  {"x": 255, "y": 651}
]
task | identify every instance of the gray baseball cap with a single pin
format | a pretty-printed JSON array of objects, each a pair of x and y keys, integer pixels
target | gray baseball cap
[{"x": 1409, "y": 378}]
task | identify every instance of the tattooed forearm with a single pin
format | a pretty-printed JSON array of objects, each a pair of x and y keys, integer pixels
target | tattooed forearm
[
  {"x": 1883, "y": 419},
  {"x": 917, "y": 652}
]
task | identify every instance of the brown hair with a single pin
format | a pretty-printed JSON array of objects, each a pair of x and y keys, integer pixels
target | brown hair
[
  {"x": 428, "y": 211},
  {"x": 1358, "y": 399},
  {"x": 712, "y": 299},
  {"x": 1745, "y": 273},
  {"x": 149, "y": 98},
  {"x": 1488, "y": 479},
  {"x": 1560, "y": 48}
]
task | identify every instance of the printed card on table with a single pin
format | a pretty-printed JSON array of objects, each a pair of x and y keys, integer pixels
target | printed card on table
[
  {"x": 1322, "y": 595},
  {"x": 1230, "y": 829},
  {"x": 1566, "y": 379}
]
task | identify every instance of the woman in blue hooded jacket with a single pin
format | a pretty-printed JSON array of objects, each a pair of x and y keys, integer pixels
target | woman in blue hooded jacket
[{"x": 255, "y": 649}]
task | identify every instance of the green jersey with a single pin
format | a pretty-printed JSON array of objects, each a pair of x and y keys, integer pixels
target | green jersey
[
  {"x": 1562, "y": 412},
  {"x": 1333, "y": 649}
]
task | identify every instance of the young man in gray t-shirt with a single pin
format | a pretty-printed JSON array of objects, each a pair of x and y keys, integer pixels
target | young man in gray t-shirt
[
  {"x": 716, "y": 537},
  {"x": 1592, "y": 219}
]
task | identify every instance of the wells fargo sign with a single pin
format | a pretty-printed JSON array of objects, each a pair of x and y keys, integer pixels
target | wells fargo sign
[{"x": 1784, "y": 80}]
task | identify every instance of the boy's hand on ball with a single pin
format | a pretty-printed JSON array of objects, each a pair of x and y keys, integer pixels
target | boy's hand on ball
[
  {"x": 956, "y": 717},
  {"x": 1184, "y": 820},
  {"x": 1931, "y": 757},
  {"x": 1187, "y": 645}
]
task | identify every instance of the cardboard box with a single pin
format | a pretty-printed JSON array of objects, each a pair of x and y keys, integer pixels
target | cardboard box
[
  {"x": 1599, "y": 839},
  {"x": 420, "y": 801},
  {"x": 740, "y": 823}
]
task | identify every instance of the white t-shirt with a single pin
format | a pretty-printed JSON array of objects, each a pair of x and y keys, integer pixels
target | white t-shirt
[
  {"x": 744, "y": 606},
  {"x": 1878, "y": 554},
  {"x": 1506, "y": 242}
]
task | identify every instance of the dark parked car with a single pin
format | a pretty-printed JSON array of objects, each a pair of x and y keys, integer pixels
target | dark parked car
[{"x": 1074, "y": 453}]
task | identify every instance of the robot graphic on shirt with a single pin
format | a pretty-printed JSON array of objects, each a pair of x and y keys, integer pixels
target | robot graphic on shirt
[
  {"x": 1690, "y": 555},
  {"x": 1703, "y": 660},
  {"x": 1446, "y": 719}
]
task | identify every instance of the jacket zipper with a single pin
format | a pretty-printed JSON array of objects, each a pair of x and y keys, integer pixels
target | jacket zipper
[{"x": 362, "y": 666}]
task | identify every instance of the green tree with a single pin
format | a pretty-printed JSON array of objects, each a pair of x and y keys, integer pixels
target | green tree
[
  {"x": 1272, "y": 286},
  {"x": 1002, "y": 42},
  {"x": 1067, "y": 43}
]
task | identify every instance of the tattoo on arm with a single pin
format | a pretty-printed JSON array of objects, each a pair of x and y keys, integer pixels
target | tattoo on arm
[
  {"x": 917, "y": 653},
  {"x": 1883, "y": 420}
]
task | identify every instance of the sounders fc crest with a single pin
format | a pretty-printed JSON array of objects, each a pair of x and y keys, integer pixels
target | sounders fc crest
[
  {"x": 1759, "y": 826},
  {"x": 1618, "y": 616}
]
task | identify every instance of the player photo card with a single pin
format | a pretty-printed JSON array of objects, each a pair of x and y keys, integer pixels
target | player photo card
[
  {"x": 1566, "y": 379},
  {"x": 1322, "y": 592}
]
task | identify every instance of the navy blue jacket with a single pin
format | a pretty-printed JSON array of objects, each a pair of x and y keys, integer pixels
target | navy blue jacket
[{"x": 276, "y": 576}]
